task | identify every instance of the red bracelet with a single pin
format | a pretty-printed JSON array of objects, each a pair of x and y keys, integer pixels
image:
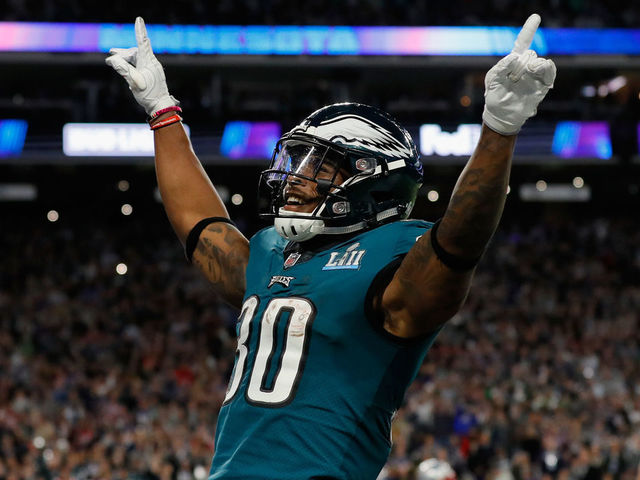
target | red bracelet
[
  {"x": 174, "y": 108},
  {"x": 166, "y": 122}
]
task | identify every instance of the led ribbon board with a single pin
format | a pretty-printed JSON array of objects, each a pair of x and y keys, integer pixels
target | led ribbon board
[
  {"x": 249, "y": 139},
  {"x": 12, "y": 135},
  {"x": 108, "y": 140},
  {"x": 312, "y": 40},
  {"x": 582, "y": 140},
  {"x": 568, "y": 140}
]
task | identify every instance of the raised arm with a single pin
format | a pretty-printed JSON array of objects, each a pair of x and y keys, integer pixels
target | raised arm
[
  {"x": 221, "y": 251},
  {"x": 433, "y": 280}
]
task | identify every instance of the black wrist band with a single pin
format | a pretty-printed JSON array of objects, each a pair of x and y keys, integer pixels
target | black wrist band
[
  {"x": 194, "y": 234},
  {"x": 454, "y": 262}
]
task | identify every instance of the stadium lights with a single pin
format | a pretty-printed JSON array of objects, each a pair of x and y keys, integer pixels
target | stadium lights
[
  {"x": 52, "y": 216},
  {"x": 433, "y": 195},
  {"x": 199, "y": 472},
  {"x": 121, "y": 268},
  {"x": 48, "y": 455},
  {"x": 541, "y": 185},
  {"x": 39, "y": 442},
  {"x": 126, "y": 209},
  {"x": 237, "y": 199},
  {"x": 553, "y": 192},
  {"x": 123, "y": 185},
  {"x": 612, "y": 86},
  {"x": 551, "y": 460},
  {"x": 578, "y": 182},
  {"x": 616, "y": 83}
]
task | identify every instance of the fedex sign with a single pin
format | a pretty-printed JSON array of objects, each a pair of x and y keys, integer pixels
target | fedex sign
[{"x": 462, "y": 142}]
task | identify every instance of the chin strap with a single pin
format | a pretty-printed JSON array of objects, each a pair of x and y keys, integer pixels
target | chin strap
[
  {"x": 360, "y": 225},
  {"x": 304, "y": 225}
]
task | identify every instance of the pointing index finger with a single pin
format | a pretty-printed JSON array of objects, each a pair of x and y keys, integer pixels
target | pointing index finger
[
  {"x": 525, "y": 37},
  {"x": 141, "y": 35}
]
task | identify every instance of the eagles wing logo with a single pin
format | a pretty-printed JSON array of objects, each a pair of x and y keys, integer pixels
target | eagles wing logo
[
  {"x": 282, "y": 279},
  {"x": 353, "y": 130}
]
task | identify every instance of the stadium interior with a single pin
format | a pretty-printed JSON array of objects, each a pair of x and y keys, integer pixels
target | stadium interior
[{"x": 114, "y": 352}]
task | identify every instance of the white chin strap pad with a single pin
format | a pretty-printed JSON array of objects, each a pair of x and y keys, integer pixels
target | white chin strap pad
[{"x": 299, "y": 228}]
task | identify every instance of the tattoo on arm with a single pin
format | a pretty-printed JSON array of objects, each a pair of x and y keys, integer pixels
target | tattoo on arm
[
  {"x": 223, "y": 254},
  {"x": 478, "y": 198},
  {"x": 429, "y": 286},
  {"x": 418, "y": 257},
  {"x": 425, "y": 293}
]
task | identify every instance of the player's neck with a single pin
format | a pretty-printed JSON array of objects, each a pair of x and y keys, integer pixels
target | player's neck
[{"x": 320, "y": 243}]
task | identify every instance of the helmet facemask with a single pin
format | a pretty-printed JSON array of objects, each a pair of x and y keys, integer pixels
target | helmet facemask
[{"x": 305, "y": 177}]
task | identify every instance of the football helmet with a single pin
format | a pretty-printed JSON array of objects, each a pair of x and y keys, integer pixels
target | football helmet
[
  {"x": 434, "y": 469},
  {"x": 364, "y": 166}
]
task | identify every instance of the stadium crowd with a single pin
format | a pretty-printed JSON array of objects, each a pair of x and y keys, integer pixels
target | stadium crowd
[
  {"x": 578, "y": 13},
  {"x": 108, "y": 376}
]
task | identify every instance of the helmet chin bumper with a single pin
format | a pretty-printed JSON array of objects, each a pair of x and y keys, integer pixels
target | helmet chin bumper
[{"x": 297, "y": 226}]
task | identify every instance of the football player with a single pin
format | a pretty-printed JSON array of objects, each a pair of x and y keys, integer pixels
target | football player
[{"x": 342, "y": 297}]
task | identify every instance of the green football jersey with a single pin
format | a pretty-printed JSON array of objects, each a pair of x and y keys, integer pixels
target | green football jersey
[{"x": 316, "y": 381}]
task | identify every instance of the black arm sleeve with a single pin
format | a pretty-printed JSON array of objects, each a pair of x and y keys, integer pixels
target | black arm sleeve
[{"x": 194, "y": 234}]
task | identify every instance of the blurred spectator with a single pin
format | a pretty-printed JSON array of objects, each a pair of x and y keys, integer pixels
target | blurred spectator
[{"x": 121, "y": 376}]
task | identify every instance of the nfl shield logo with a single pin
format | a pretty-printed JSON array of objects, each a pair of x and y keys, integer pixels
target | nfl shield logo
[{"x": 291, "y": 260}]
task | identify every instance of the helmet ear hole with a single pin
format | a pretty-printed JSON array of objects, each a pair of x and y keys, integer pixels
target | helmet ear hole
[{"x": 366, "y": 164}]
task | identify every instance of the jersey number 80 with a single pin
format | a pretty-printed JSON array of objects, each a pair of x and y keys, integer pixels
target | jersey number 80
[{"x": 299, "y": 313}]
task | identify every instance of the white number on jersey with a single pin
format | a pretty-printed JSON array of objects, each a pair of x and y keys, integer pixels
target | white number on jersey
[{"x": 301, "y": 313}]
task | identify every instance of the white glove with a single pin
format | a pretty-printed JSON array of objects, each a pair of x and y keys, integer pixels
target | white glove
[
  {"x": 517, "y": 84},
  {"x": 143, "y": 72}
]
